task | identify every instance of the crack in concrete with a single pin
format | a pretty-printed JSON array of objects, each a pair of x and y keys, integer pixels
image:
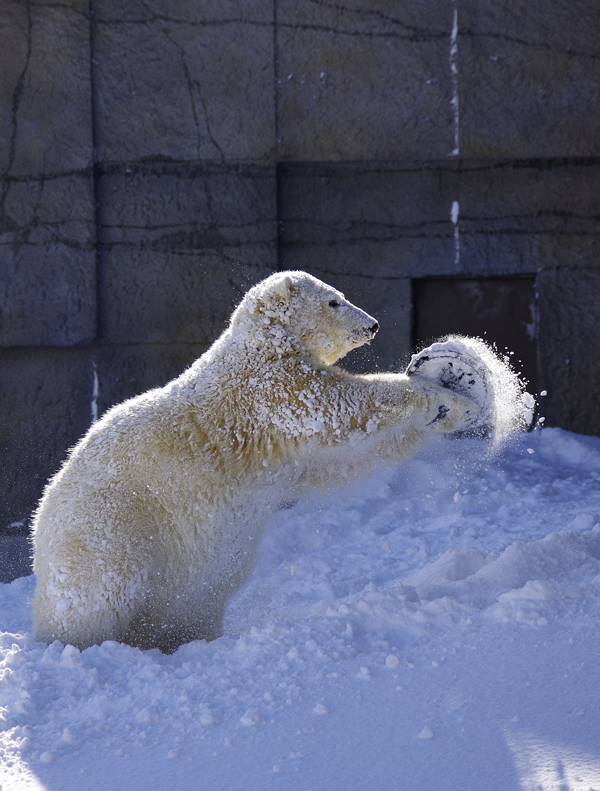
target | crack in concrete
[
  {"x": 34, "y": 223},
  {"x": 159, "y": 166},
  {"x": 532, "y": 163},
  {"x": 208, "y": 129},
  {"x": 414, "y": 37},
  {"x": 344, "y": 170},
  {"x": 352, "y": 224},
  {"x": 83, "y": 247},
  {"x": 59, "y": 223},
  {"x": 528, "y": 232},
  {"x": 193, "y": 226},
  {"x": 87, "y": 172},
  {"x": 152, "y": 244},
  {"x": 19, "y": 234},
  {"x": 301, "y": 244},
  {"x": 190, "y": 85},
  {"x": 549, "y": 213},
  {"x": 361, "y": 275},
  {"x": 16, "y": 101},
  {"x": 413, "y": 34},
  {"x": 190, "y": 23},
  {"x": 301, "y": 170},
  {"x": 190, "y": 88},
  {"x": 373, "y": 12},
  {"x": 566, "y": 51},
  {"x": 330, "y": 170}
]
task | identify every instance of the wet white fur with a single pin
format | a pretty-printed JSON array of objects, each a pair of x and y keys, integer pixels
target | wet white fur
[{"x": 155, "y": 517}]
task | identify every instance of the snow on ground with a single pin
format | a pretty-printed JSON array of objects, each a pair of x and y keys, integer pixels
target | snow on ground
[{"x": 436, "y": 627}]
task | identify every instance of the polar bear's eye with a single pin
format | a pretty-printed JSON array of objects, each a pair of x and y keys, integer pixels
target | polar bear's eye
[{"x": 333, "y": 303}]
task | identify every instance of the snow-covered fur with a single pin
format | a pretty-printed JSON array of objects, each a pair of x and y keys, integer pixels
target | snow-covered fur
[{"x": 154, "y": 520}]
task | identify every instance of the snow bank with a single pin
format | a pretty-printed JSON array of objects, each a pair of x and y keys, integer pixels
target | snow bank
[{"x": 446, "y": 607}]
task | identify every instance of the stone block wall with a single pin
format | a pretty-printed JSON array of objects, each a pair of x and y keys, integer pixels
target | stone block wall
[{"x": 158, "y": 158}]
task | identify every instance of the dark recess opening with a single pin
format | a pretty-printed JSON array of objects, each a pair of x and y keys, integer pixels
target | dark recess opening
[{"x": 500, "y": 310}]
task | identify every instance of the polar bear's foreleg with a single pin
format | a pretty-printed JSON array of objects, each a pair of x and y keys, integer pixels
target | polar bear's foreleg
[{"x": 398, "y": 417}]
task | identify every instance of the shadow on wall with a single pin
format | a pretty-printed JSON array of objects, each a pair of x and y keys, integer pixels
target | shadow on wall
[
  {"x": 502, "y": 311},
  {"x": 15, "y": 552}
]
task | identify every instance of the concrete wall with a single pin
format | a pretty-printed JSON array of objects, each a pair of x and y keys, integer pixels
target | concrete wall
[{"x": 157, "y": 158}]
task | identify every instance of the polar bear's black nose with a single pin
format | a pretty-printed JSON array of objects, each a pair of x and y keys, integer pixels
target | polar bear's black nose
[{"x": 374, "y": 328}]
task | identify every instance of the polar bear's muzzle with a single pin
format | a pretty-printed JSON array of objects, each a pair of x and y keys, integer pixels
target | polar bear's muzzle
[
  {"x": 366, "y": 331},
  {"x": 366, "y": 334},
  {"x": 364, "y": 327},
  {"x": 362, "y": 335}
]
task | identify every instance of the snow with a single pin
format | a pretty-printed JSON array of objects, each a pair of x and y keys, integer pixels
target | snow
[
  {"x": 472, "y": 368},
  {"x": 435, "y": 627}
]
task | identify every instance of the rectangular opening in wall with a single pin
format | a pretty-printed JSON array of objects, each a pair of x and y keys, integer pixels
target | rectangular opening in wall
[{"x": 501, "y": 310}]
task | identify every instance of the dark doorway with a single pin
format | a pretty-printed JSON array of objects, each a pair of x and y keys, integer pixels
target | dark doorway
[{"x": 500, "y": 310}]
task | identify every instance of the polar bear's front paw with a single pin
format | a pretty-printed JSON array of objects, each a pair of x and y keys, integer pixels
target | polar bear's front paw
[
  {"x": 458, "y": 368},
  {"x": 455, "y": 417},
  {"x": 442, "y": 412}
]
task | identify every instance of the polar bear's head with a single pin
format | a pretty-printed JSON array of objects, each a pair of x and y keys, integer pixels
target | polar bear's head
[{"x": 294, "y": 309}]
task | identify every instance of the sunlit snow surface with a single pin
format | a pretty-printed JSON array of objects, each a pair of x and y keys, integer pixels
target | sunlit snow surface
[{"x": 435, "y": 627}]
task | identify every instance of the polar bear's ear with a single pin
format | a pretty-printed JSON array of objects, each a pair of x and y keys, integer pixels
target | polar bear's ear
[
  {"x": 268, "y": 295},
  {"x": 283, "y": 288}
]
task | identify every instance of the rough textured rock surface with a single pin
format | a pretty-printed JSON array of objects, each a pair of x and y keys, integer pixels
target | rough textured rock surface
[
  {"x": 186, "y": 80},
  {"x": 528, "y": 215},
  {"x": 158, "y": 158},
  {"x": 44, "y": 77},
  {"x": 179, "y": 245},
  {"x": 568, "y": 347},
  {"x": 364, "y": 81},
  {"x": 126, "y": 371},
  {"x": 529, "y": 72},
  {"x": 381, "y": 219},
  {"x": 47, "y": 224},
  {"x": 45, "y": 395},
  {"x": 473, "y": 218},
  {"x": 50, "y": 396},
  {"x": 15, "y": 556}
]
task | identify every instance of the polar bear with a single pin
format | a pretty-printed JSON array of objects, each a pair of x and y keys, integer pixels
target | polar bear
[{"x": 154, "y": 519}]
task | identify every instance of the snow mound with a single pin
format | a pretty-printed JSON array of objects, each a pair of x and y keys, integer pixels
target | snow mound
[
  {"x": 571, "y": 450},
  {"x": 388, "y": 630}
]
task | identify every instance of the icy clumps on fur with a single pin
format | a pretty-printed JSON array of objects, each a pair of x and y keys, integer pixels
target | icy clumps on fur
[{"x": 486, "y": 377}]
